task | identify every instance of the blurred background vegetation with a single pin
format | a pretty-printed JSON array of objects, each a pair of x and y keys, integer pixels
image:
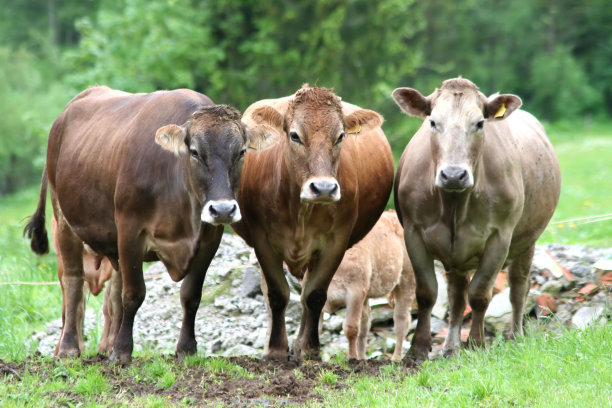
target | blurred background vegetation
[{"x": 555, "y": 54}]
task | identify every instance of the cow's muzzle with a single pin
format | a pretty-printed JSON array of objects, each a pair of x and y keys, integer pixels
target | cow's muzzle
[
  {"x": 221, "y": 212},
  {"x": 321, "y": 190},
  {"x": 454, "y": 178}
]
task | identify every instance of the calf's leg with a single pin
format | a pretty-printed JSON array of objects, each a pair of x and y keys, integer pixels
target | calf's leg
[
  {"x": 364, "y": 330},
  {"x": 403, "y": 295},
  {"x": 354, "y": 306}
]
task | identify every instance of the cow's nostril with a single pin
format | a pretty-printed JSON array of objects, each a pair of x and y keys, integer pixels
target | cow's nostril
[
  {"x": 315, "y": 190},
  {"x": 463, "y": 176},
  {"x": 213, "y": 211},
  {"x": 233, "y": 210}
]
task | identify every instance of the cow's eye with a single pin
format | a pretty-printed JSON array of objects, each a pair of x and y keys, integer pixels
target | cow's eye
[
  {"x": 242, "y": 152},
  {"x": 194, "y": 153},
  {"x": 432, "y": 123},
  {"x": 480, "y": 124},
  {"x": 340, "y": 137},
  {"x": 295, "y": 137}
]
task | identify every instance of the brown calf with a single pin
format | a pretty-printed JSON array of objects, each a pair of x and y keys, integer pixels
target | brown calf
[{"x": 376, "y": 266}]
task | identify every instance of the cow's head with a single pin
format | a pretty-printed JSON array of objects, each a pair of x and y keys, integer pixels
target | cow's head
[
  {"x": 313, "y": 129},
  {"x": 212, "y": 143},
  {"x": 456, "y": 116}
]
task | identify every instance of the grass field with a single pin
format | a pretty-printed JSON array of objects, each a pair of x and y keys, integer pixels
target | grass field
[{"x": 534, "y": 371}]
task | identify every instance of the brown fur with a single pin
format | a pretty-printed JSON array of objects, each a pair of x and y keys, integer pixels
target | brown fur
[
  {"x": 503, "y": 189},
  {"x": 308, "y": 234},
  {"x": 115, "y": 187},
  {"x": 376, "y": 266}
]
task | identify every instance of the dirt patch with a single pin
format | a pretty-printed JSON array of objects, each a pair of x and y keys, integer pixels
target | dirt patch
[{"x": 247, "y": 382}]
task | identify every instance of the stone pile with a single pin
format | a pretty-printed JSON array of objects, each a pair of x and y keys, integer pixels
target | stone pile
[{"x": 571, "y": 286}]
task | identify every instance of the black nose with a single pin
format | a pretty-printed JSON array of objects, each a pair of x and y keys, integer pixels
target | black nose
[
  {"x": 324, "y": 189},
  {"x": 454, "y": 178},
  {"x": 222, "y": 211}
]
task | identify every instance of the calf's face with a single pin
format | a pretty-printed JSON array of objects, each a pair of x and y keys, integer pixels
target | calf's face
[
  {"x": 314, "y": 129},
  {"x": 455, "y": 117},
  {"x": 212, "y": 143}
]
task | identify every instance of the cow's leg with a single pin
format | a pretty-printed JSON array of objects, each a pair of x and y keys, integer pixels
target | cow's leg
[
  {"x": 457, "y": 299},
  {"x": 276, "y": 294},
  {"x": 352, "y": 321},
  {"x": 403, "y": 295},
  {"x": 519, "y": 272},
  {"x": 364, "y": 330},
  {"x": 71, "y": 252},
  {"x": 481, "y": 287},
  {"x": 314, "y": 294},
  {"x": 133, "y": 290},
  {"x": 191, "y": 292},
  {"x": 426, "y": 292}
]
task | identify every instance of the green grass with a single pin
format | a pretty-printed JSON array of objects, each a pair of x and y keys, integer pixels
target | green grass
[
  {"x": 570, "y": 370},
  {"x": 586, "y": 186}
]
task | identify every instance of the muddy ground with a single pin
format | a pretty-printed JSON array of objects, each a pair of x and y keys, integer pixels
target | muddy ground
[{"x": 271, "y": 384}]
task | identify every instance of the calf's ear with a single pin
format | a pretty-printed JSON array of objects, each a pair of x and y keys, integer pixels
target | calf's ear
[
  {"x": 362, "y": 120},
  {"x": 264, "y": 128},
  {"x": 501, "y": 106},
  {"x": 172, "y": 138},
  {"x": 412, "y": 102}
]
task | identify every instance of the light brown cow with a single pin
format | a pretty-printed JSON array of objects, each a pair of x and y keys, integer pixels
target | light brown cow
[
  {"x": 376, "y": 266},
  {"x": 475, "y": 188},
  {"x": 140, "y": 177},
  {"x": 97, "y": 271},
  {"x": 308, "y": 198}
]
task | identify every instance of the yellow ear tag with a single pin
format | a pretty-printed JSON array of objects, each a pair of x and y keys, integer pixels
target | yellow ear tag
[
  {"x": 500, "y": 111},
  {"x": 355, "y": 129}
]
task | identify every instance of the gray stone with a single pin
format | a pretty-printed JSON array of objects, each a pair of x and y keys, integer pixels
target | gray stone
[
  {"x": 441, "y": 306},
  {"x": 587, "y": 315},
  {"x": 251, "y": 282},
  {"x": 552, "y": 287}
]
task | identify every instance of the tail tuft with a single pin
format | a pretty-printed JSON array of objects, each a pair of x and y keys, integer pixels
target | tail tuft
[{"x": 35, "y": 231}]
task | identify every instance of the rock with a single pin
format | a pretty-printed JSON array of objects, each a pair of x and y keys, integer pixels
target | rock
[
  {"x": 552, "y": 287},
  {"x": 381, "y": 316},
  {"x": 437, "y": 325},
  {"x": 334, "y": 323},
  {"x": 251, "y": 282},
  {"x": 546, "y": 304},
  {"x": 587, "y": 315}
]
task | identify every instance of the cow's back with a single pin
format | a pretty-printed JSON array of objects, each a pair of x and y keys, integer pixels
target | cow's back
[{"x": 100, "y": 155}]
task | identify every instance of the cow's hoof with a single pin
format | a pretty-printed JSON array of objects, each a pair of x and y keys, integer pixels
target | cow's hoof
[
  {"x": 120, "y": 359},
  {"x": 414, "y": 358},
  {"x": 186, "y": 348},
  {"x": 69, "y": 353},
  {"x": 275, "y": 358}
]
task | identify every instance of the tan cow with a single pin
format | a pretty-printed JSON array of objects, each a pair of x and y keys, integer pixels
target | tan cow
[
  {"x": 140, "y": 177},
  {"x": 97, "y": 270},
  {"x": 475, "y": 188},
  {"x": 309, "y": 197},
  {"x": 376, "y": 266}
]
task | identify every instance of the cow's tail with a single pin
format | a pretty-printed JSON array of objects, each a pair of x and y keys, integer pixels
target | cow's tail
[{"x": 35, "y": 228}]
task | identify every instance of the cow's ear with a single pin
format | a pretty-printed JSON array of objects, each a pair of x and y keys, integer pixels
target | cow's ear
[
  {"x": 172, "y": 138},
  {"x": 267, "y": 115},
  {"x": 501, "y": 106},
  {"x": 362, "y": 120},
  {"x": 412, "y": 102},
  {"x": 261, "y": 137},
  {"x": 264, "y": 128}
]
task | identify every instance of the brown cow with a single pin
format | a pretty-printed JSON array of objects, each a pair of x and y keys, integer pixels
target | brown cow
[
  {"x": 97, "y": 271},
  {"x": 135, "y": 186},
  {"x": 475, "y": 188},
  {"x": 376, "y": 266},
  {"x": 309, "y": 197}
]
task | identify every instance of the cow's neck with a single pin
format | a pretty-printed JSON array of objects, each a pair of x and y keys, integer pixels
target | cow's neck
[{"x": 454, "y": 211}]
